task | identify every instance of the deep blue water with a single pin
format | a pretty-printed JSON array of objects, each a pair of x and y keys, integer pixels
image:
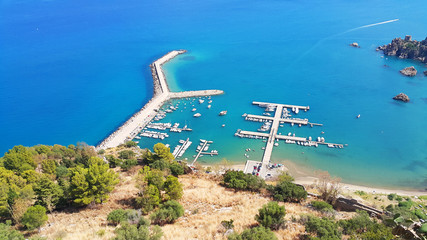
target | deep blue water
[{"x": 75, "y": 70}]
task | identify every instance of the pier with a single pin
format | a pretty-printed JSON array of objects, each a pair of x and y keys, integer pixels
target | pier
[
  {"x": 204, "y": 145},
  {"x": 281, "y": 116},
  {"x": 130, "y": 129}
]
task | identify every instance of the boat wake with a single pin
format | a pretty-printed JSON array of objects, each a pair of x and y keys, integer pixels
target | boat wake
[{"x": 318, "y": 43}]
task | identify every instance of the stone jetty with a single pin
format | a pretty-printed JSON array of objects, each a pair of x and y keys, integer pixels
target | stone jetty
[{"x": 161, "y": 94}]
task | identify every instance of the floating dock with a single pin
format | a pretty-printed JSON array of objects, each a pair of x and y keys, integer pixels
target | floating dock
[{"x": 281, "y": 116}]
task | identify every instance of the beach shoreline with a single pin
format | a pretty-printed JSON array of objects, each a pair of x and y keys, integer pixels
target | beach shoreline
[{"x": 306, "y": 177}]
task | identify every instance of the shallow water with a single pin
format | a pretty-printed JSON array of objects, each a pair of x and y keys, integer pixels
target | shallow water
[{"x": 71, "y": 73}]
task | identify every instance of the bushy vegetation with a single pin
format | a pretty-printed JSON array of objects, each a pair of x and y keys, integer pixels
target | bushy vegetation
[
  {"x": 9, "y": 234},
  {"x": 256, "y": 233},
  {"x": 271, "y": 216},
  {"x": 322, "y": 206},
  {"x": 43, "y": 178},
  {"x": 360, "y": 226},
  {"x": 241, "y": 181},
  {"x": 167, "y": 213},
  {"x": 117, "y": 216},
  {"x": 34, "y": 217},
  {"x": 132, "y": 232},
  {"x": 322, "y": 228},
  {"x": 288, "y": 192}
]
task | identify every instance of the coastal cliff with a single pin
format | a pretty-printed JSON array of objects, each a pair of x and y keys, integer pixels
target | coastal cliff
[{"x": 406, "y": 48}]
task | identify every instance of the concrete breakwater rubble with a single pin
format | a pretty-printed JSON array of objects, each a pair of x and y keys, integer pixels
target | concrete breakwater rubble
[{"x": 161, "y": 94}]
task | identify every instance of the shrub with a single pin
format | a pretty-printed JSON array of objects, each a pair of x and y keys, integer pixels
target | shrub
[
  {"x": 322, "y": 206},
  {"x": 128, "y": 164},
  {"x": 126, "y": 154},
  {"x": 406, "y": 204},
  {"x": 392, "y": 196},
  {"x": 241, "y": 181},
  {"x": 7, "y": 233},
  {"x": 149, "y": 200},
  {"x": 176, "y": 169},
  {"x": 167, "y": 213},
  {"x": 173, "y": 188},
  {"x": 114, "y": 162},
  {"x": 288, "y": 192},
  {"x": 159, "y": 164},
  {"x": 322, "y": 228},
  {"x": 256, "y": 233},
  {"x": 101, "y": 152},
  {"x": 271, "y": 216},
  {"x": 132, "y": 232},
  {"x": 117, "y": 216},
  {"x": 285, "y": 177},
  {"x": 143, "y": 222},
  {"x": 34, "y": 217},
  {"x": 130, "y": 144},
  {"x": 228, "y": 224}
]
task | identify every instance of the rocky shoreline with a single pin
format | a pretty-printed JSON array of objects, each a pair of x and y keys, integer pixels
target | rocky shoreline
[{"x": 406, "y": 48}]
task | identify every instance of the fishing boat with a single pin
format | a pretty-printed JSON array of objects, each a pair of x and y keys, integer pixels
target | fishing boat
[
  {"x": 201, "y": 101},
  {"x": 209, "y": 106},
  {"x": 193, "y": 110},
  {"x": 197, "y": 115}
]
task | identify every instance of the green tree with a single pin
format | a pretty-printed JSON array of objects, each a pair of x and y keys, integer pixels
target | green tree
[
  {"x": 19, "y": 159},
  {"x": 42, "y": 149},
  {"x": 149, "y": 199},
  {"x": 93, "y": 184},
  {"x": 256, "y": 233},
  {"x": 160, "y": 152},
  {"x": 6, "y": 233},
  {"x": 113, "y": 161},
  {"x": 271, "y": 216},
  {"x": 130, "y": 144},
  {"x": 48, "y": 193},
  {"x": 132, "y": 232},
  {"x": 288, "y": 192},
  {"x": 34, "y": 217},
  {"x": 173, "y": 188},
  {"x": 117, "y": 216},
  {"x": 241, "y": 181},
  {"x": 176, "y": 169},
  {"x": 322, "y": 206},
  {"x": 49, "y": 166},
  {"x": 167, "y": 213},
  {"x": 159, "y": 164},
  {"x": 126, "y": 154},
  {"x": 285, "y": 177},
  {"x": 323, "y": 228},
  {"x": 128, "y": 164}
]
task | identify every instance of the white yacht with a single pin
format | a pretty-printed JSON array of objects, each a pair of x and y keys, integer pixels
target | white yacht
[{"x": 197, "y": 115}]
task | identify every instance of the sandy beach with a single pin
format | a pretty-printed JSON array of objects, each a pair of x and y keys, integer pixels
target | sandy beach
[{"x": 307, "y": 177}]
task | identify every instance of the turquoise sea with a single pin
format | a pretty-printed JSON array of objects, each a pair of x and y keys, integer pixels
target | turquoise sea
[{"x": 75, "y": 70}]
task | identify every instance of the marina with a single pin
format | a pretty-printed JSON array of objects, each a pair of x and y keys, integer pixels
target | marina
[
  {"x": 272, "y": 124},
  {"x": 130, "y": 129}
]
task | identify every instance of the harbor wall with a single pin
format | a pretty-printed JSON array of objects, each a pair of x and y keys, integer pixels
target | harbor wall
[{"x": 161, "y": 94}]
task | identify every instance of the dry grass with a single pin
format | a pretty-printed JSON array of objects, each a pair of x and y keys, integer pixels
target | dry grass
[
  {"x": 206, "y": 204},
  {"x": 86, "y": 223}
]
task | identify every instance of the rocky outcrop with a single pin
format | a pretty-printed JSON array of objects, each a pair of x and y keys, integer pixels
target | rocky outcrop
[
  {"x": 409, "y": 71},
  {"x": 355, "y": 44},
  {"x": 346, "y": 204},
  {"x": 406, "y": 48},
  {"x": 402, "y": 97}
]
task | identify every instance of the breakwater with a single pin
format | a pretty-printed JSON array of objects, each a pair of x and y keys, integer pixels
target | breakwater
[{"x": 161, "y": 94}]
